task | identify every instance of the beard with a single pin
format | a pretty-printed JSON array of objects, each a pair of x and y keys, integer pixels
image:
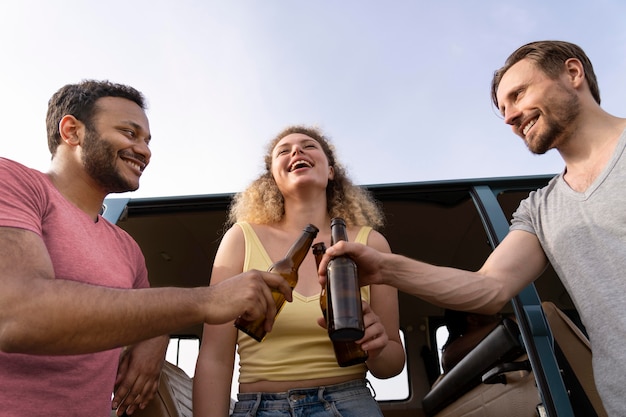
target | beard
[
  {"x": 558, "y": 125},
  {"x": 99, "y": 159}
]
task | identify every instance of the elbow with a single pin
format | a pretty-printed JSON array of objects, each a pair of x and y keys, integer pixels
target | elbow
[
  {"x": 490, "y": 297},
  {"x": 7, "y": 340},
  {"x": 387, "y": 372},
  {"x": 496, "y": 301},
  {"x": 12, "y": 340},
  {"x": 390, "y": 363}
]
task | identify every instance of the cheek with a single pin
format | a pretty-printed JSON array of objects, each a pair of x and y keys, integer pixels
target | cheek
[
  {"x": 277, "y": 173},
  {"x": 274, "y": 170}
]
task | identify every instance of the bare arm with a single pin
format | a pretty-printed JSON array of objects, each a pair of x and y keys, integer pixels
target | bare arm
[
  {"x": 216, "y": 360},
  {"x": 42, "y": 314},
  {"x": 514, "y": 264}
]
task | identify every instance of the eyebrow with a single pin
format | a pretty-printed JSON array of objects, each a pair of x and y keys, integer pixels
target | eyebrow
[{"x": 289, "y": 144}]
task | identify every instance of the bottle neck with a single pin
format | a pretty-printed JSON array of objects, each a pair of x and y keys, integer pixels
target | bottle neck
[
  {"x": 318, "y": 252},
  {"x": 338, "y": 231},
  {"x": 299, "y": 249}
]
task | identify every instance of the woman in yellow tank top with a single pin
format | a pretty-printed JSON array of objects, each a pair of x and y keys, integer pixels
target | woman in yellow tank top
[{"x": 294, "y": 371}]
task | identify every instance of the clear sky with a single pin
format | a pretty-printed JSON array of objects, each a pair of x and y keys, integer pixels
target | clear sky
[{"x": 401, "y": 87}]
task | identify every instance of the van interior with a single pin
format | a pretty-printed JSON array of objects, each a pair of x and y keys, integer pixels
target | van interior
[{"x": 441, "y": 223}]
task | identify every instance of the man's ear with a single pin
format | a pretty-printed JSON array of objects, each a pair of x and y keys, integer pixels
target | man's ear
[
  {"x": 575, "y": 72},
  {"x": 71, "y": 130}
]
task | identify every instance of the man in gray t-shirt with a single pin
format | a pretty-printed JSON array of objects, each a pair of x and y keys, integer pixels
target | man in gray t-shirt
[
  {"x": 547, "y": 92},
  {"x": 583, "y": 236}
]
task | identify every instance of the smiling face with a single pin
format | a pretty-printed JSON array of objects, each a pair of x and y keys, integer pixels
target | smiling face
[
  {"x": 541, "y": 110},
  {"x": 115, "y": 150},
  {"x": 299, "y": 159}
]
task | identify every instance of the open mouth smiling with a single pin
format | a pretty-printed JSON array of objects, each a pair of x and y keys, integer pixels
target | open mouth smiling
[
  {"x": 529, "y": 125},
  {"x": 136, "y": 165},
  {"x": 301, "y": 163}
]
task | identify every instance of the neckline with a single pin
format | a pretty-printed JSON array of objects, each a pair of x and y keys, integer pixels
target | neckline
[{"x": 606, "y": 171}]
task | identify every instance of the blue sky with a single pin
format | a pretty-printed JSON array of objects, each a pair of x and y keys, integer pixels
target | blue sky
[{"x": 401, "y": 87}]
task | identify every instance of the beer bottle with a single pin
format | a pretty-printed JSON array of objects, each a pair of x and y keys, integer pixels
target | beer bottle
[
  {"x": 288, "y": 269},
  {"x": 346, "y": 353},
  {"x": 345, "y": 315}
]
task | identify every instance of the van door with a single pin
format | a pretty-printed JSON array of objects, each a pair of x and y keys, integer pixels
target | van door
[{"x": 527, "y": 306}]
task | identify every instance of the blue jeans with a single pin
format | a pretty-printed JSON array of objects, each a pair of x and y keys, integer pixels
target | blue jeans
[{"x": 349, "y": 399}]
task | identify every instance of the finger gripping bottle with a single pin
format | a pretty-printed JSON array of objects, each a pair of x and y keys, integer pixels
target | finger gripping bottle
[
  {"x": 345, "y": 315},
  {"x": 346, "y": 353},
  {"x": 288, "y": 269}
]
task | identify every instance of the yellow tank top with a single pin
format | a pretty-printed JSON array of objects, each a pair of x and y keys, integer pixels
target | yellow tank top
[{"x": 297, "y": 348}]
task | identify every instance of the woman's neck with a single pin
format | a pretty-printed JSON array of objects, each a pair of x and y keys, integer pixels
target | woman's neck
[{"x": 302, "y": 212}]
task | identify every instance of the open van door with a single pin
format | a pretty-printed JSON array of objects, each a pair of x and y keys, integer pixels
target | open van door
[{"x": 530, "y": 318}]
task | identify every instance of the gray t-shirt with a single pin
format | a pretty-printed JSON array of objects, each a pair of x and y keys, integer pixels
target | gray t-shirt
[{"x": 584, "y": 237}]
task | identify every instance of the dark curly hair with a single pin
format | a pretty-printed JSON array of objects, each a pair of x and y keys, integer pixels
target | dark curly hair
[{"x": 79, "y": 100}]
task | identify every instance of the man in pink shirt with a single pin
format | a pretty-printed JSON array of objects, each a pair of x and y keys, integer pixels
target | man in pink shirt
[{"x": 74, "y": 287}]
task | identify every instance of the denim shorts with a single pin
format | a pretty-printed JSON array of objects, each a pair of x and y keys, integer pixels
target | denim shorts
[{"x": 349, "y": 399}]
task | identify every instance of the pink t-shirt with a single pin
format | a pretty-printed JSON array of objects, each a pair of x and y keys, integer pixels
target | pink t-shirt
[{"x": 97, "y": 253}]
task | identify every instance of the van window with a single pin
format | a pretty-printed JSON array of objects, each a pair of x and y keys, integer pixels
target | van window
[
  {"x": 396, "y": 388},
  {"x": 183, "y": 352},
  {"x": 441, "y": 335}
]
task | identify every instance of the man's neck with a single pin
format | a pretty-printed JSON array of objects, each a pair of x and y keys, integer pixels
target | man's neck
[
  {"x": 78, "y": 189},
  {"x": 589, "y": 150}
]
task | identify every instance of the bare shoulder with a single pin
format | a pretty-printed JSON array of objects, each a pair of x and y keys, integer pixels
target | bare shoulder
[
  {"x": 230, "y": 255},
  {"x": 377, "y": 241}
]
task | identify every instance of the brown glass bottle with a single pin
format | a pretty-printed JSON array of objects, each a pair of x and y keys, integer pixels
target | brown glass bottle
[
  {"x": 288, "y": 269},
  {"x": 345, "y": 315},
  {"x": 346, "y": 353}
]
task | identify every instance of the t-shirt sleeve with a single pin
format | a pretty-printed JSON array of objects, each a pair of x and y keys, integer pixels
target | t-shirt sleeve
[
  {"x": 141, "y": 279},
  {"x": 21, "y": 198},
  {"x": 522, "y": 219}
]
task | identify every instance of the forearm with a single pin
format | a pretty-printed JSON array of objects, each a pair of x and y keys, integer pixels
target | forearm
[
  {"x": 53, "y": 316},
  {"x": 211, "y": 387},
  {"x": 212, "y": 399},
  {"x": 443, "y": 286},
  {"x": 389, "y": 362}
]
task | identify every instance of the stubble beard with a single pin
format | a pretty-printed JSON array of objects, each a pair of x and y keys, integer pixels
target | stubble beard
[
  {"x": 558, "y": 125},
  {"x": 99, "y": 159}
]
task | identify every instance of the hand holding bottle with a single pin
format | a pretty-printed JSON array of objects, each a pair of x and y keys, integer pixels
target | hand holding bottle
[
  {"x": 288, "y": 269},
  {"x": 347, "y": 353},
  {"x": 345, "y": 315}
]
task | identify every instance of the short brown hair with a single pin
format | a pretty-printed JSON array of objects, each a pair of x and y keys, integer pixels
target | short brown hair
[{"x": 549, "y": 56}]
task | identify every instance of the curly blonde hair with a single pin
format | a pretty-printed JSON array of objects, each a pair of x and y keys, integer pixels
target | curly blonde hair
[{"x": 262, "y": 202}]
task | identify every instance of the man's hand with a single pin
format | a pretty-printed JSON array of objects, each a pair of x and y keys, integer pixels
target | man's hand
[
  {"x": 248, "y": 295},
  {"x": 138, "y": 375},
  {"x": 368, "y": 260}
]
